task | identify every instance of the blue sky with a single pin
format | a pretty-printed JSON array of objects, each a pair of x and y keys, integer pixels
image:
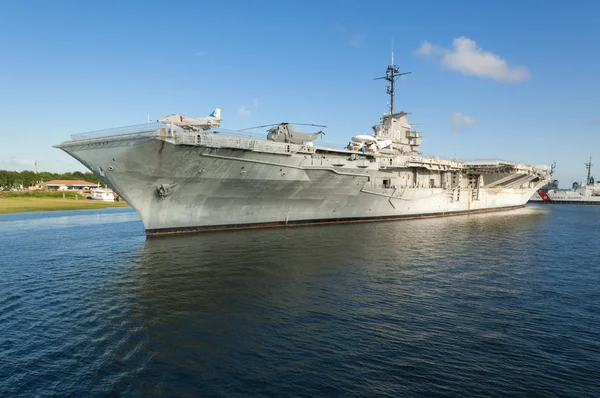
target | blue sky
[{"x": 511, "y": 80}]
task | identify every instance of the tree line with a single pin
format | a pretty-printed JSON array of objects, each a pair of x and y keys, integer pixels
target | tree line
[{"x": 28, "y": 178}]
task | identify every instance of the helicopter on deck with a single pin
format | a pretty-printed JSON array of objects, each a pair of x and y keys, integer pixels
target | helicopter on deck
[{"x": 284, "y": 132}]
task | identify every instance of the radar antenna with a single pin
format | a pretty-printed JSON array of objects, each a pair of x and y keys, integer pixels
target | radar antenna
[
  {"x": 391, "y": 75},
  {"x": 588, "y": 166}
]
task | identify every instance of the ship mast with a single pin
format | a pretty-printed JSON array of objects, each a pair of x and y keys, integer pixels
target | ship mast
[
  {"x": 391, "y": 75},
  {"x": 588, "y": 166}
]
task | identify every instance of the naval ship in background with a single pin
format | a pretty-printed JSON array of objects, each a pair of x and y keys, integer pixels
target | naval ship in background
[
  {"x": 189, "y": 175},
  {"x": 585, "y": 193}
]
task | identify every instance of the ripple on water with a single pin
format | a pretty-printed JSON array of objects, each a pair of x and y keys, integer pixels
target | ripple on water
[{"x": 488, "y": 305}]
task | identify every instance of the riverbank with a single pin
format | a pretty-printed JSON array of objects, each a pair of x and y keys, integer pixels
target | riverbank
[{"x": 28, "y": 204}]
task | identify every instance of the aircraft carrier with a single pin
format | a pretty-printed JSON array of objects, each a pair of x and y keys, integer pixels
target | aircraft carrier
[{"x": 190, "y": 175}]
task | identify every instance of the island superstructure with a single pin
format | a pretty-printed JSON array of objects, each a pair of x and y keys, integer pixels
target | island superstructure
[{"x": 188, "y": 177}]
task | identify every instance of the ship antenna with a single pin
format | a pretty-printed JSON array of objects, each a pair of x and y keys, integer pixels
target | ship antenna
[
  {"x": 391, "y": 75},
  {"x": 588, "y": 166}
]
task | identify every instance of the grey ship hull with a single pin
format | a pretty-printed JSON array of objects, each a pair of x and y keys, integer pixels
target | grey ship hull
[{"x": 186, "y": 182}]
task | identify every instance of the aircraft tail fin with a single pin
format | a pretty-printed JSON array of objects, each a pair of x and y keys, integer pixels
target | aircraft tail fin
[{"x": 216, "y": 113}]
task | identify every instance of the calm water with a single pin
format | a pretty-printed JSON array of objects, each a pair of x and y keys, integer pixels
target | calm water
[{"x": 503, "y": 304}]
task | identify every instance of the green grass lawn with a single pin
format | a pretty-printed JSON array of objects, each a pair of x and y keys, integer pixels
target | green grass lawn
[{"x": 25, "y": 204}]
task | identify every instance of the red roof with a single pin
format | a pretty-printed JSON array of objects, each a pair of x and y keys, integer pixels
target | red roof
[{"x": 78, "y": 183}]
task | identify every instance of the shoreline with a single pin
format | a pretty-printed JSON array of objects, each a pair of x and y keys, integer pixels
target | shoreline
[{"x": 33, "y": 204}]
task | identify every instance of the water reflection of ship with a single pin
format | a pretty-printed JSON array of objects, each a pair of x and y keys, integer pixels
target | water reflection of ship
[
  {"x": 226, "y": 273},
  {"x": 290, "y": 299},
  {"x": 587, "y": 192}
]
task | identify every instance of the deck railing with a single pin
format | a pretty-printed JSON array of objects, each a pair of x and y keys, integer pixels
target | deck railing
[{"x": 138, "y": 128}]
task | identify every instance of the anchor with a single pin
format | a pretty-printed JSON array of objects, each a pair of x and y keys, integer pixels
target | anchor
[{"x": 165, "y": 190}]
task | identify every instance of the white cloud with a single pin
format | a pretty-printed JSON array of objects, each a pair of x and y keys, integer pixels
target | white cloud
[
  {"x": 459, "y": 121},
  {"x": 13, "y": 163},
  {"x": 356, "y": 40},
  {"x": 594, "y": 122},
  {"x": 243, "y": 111},
  {"x": 353, "y": 39},
  {"x": 23, "y": 161},
  {"x": 425, "y": 49},
  {"x": 468, "y": 58}
]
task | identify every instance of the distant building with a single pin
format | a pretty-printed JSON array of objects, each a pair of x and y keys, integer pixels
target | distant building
[{"x": 65, "y": 185}]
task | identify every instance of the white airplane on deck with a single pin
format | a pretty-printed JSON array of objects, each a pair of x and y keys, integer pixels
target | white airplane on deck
[
  {"x": 371, "y": 143},
  {"x": 189, "y": 123}
]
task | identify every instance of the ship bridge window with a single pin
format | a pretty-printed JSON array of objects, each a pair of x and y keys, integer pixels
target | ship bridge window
[{"x": 387, "y": 183}]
